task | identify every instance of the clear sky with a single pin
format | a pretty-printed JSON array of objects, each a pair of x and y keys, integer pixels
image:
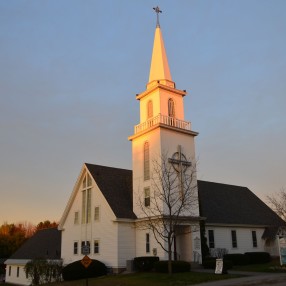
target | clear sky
[{"x": 70, "y": 70}]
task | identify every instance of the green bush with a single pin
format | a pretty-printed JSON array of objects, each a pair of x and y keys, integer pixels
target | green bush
[
  {"x": 210, "y": 263},
  {"x": 145, "y": 263},
  {"x": 237, "y": 258},
  {"x": 177, "y": 266},
  {"x": 76, "y": 270},
  {"x": 258, "y": 257}
]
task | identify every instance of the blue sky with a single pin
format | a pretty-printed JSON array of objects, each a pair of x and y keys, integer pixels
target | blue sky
[{"x": 70, "y": 70}]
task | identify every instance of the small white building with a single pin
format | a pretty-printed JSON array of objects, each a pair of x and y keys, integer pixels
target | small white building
[{"x": 44, "y": 244}]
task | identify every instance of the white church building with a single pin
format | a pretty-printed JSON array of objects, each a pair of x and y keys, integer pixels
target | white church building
[
  {"x": 102, "y": 214},
  {"x": 108, "y": 205}
]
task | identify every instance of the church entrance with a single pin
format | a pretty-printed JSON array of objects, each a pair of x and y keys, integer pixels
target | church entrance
[{"x": 183, "y": 243}]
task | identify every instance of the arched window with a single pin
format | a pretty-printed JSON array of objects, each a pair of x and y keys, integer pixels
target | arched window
[
  {"x": 149, "y": 109},
  {"x": 171, "y": 108},
  {"x": 146, "y": 161}
]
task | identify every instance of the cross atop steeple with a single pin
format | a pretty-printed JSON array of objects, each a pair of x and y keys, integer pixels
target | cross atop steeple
[{"x": 157, "y": 10}]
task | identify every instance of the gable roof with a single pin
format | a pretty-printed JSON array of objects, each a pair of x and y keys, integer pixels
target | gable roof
[
  {"x": 45, "y": 243},
  {"x": 116, "y": 186},
  {"x": 228, "y": 204}
]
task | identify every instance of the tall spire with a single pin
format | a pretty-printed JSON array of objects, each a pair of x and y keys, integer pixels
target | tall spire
[{"x": 159, "y": 69}]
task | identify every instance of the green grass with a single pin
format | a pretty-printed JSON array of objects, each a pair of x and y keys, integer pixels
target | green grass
[
  {"x": 150, "y": 279},
  {"x": 273, "y": 266}
]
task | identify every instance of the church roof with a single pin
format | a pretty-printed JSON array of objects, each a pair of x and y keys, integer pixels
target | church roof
[
  {"x": 228, "y": 204},
  {"x": 45, "y": 243},
  {"x": 116, "y": 186}
]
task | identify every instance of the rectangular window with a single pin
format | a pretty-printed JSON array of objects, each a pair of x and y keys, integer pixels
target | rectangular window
[
  {"x": 147, "y": 197},
  {"x": 88, "y": 206},
  {"x": 211, "y": 238},
  {"x": 146, "y": 161},
  {"x": 96, "y": 247},
  {"x": 96, "y": 213},
  {"x": 254, "y": 238},
  {"x": 147, "y": 243},
  {"x": 83, "y": 212},
  {"x": 76, "y": 217},
  {"x": 9, "y": 270},
  {"x": 75, "y": 247},
  {"x": 85, "y": 247},
  {"x": 18, "y": 270},
  {"x": 234, "y": 239}
]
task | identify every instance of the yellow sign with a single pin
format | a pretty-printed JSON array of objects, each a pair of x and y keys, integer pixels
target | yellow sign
[{"x": 86, "y": 261}]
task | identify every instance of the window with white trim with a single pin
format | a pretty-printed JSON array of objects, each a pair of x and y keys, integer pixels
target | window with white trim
[
  {"x": 147, "y": 197},
  {"x": 171, "y": 107},
  {"x": 76, "y": 217},
  {"x": 254, "y": 238},
  {"x": 75, "y": 247},
  {"x": 96, "y": 246},
  {"x": 96, "y": 213},
  {"x": 147, "y": 243},
  {"x": 211, "y": 238},
  {"x": 149, "y": 109},
  {"x": 146, "y": 161},
  {"x": 234, "y": 239}
]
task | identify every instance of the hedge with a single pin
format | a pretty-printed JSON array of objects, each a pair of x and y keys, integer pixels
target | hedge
[
  {"x": 76, "y": 270},
  {"x": 177, "y": 266},
  {"x": 258, "y": 257},
  {"x": 145, "y": 263},
  {"x": 237, "y": 258}
]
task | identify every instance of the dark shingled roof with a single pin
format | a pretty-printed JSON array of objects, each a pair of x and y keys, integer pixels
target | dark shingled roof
[
  {"x": 45, "y": 243},
  {"x": 116, "y": 186},
  {"x": 228, "y": 204}
]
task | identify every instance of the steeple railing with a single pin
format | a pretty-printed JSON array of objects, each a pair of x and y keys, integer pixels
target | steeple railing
[{"x": 163, "y": 119}]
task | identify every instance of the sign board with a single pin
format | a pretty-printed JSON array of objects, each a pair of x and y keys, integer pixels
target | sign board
[
  {"x": 282, "y": 250},
  {"x": 86, "y": 261},
  {"x": 85, "y": 249},
  {"x": 219, "y": 266}
]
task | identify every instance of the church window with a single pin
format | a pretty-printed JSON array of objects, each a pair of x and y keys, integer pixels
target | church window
[
  {"x": 9, "y": 270},
  {"x": 254, "y": 238},
  {"x": 18, "y": 270},
  {"x": 85, "y": 244},
  {"x": 146, "y": 161},
  {"x": 147, "y": 197},
  {"x": 234, "y": 239},
  {"x": 96, "y": 247},
  {"x": 89, "y": 181},
  {"x": 76, "y": 217},
  {"x": 75, "y": 247},
  {"x": 86, "y": 200},
  {"x": 96, "y": 213},
  {"x": 171, "y": 107},
  {"x": 149, "y": 109},
  {"x": 83, "y": 217},
  {"x": 211, "y": 238},
  {"x": 147, "y": 242}
]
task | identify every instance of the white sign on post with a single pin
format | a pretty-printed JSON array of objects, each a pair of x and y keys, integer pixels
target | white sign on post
[{"x": 219, "y": 266}]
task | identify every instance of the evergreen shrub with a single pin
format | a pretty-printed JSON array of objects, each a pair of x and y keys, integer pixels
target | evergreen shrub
[
  {"x": 258, "y": 257},
  {"x": 76, "y": 270},
  {"x": 177, "y": 266},
  {"x": 237, "y": 258},
  {"x": 145, "y": 263}
]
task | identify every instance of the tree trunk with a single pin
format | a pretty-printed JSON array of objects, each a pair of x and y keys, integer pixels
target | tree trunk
[{"x": 169, "y": 256}]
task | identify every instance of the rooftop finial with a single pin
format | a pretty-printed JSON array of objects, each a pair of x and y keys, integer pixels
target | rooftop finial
[{"x": 157, "y": 10}]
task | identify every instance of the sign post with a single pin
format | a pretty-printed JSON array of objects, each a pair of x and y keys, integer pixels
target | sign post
[{"x": 86, "y": 261}]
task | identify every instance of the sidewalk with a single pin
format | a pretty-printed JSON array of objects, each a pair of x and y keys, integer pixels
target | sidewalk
[{"x": 252, "y": 279}]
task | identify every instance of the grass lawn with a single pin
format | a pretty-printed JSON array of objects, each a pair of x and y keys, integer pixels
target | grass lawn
[{"x": 150, "y": 279}]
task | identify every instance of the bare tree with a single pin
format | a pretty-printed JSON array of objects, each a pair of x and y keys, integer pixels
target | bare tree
[
  {"x": 277, "y": 202},
  {"x": 172, "y": 202}
]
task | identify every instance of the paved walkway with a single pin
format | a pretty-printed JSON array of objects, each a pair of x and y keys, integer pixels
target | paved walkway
[{"x": 252, "y": 279}]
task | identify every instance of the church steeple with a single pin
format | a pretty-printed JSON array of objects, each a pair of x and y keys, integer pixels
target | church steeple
[{"x": 159, "y": 69}]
